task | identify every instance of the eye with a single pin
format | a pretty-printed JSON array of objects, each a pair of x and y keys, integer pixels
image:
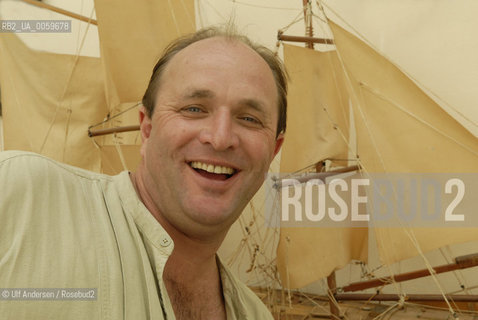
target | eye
[
  {"x": 193, "y": 109},
  {"x": 251, "y": 120}
]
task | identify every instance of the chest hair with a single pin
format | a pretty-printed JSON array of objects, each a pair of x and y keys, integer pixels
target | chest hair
[{"x": 196, "y": 303}]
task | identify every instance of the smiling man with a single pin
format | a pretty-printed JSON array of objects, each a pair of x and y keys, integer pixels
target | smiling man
[
  {"x": 209, "y": 135},
  {"x": 212, "y": 120}
]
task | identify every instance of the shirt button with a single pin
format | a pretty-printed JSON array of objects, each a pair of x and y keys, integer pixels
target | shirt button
[{"x": 165, "y": 241}]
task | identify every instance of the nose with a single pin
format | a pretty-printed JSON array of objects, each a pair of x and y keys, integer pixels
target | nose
[{"x": 219, "y": 131}]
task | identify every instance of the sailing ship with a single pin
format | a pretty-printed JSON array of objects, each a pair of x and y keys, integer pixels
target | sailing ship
[
  {"x": 350, "y": 107},
  {"x": 398, "y": 129}
]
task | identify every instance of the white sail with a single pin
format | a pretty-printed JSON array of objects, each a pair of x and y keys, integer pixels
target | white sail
[
  {"x": 318, "y": 129},
  {"x": 48, "y": 102},
  {"x": 399, "y": 129},
  {"x": 129, "y": 51}
]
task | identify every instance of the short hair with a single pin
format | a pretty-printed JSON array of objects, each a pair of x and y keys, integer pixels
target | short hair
[{"x": 228, "y": 32}]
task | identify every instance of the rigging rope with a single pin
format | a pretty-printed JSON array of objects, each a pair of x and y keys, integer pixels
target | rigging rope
[
  {"x": 215, "y": 10},
  {"x": 414, "y": 240},
  {"x": 429, "y": 91},
  {"x": 457, "y": 273},
  {"x": 108, "y": 118},
  {"x": 371, "y": 136},
  {"x": 407, "y": 230},
  {"x": 78, "y": 34},
  {"x": 401, "y": 108},
  {"x": 294, "y": 21},
  {"x": 260, "y": 6},
  {"x": 66, "y": 133},
  {"x": 120, "y": 152},
  {"x": 188, "y": 14},
  {"x": 67, "y": 84},
  {"x": 173, "y": 15},
  {"x": 22, "y": 127}
]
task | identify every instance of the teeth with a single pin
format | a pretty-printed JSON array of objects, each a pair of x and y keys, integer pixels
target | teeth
[{"x": 212, "y": 168}]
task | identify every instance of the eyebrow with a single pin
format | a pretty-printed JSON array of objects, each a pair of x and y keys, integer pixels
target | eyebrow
[
  {"x": 255, "y": 104},
  {"x": 208, "y": 94},
  {"x": 199, "y": 93}
]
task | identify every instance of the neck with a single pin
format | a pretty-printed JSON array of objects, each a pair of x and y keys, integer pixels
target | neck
[
  {"x": 192, "y": 278},
  {"x": 191, "y": 274}
]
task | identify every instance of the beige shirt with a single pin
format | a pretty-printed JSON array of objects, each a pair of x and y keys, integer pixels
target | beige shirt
[{"x": 63, "y": 227}]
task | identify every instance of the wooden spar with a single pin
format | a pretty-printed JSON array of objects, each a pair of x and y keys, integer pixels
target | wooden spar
[
  {"x": 315, "y": 175},
  {"x": 331, "y": 280},
  {"x": 284, "y": 37},
  {"x": 344, "y": 170},
  {"x": 461, "y": 262},
  {"x": 408, "y": 297},
  {"x": 332, "y": 284},
  {"x": 61, "y": 11},
  {"x": 309, "y": 39},
  {"x": 102, "y": 132}
]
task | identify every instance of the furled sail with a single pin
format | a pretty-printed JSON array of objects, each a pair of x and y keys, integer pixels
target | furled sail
[{"x": 48, "y": 102}]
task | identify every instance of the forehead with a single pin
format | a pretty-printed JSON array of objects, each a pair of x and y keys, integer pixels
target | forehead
[
  {"x": 208, "y": 57},
  {"x": 226, "y": 49}
]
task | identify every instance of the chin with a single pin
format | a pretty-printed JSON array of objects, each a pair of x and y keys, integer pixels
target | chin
[{"x": 211, "y": 214}]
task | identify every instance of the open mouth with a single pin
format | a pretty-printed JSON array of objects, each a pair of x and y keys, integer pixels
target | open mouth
[{"x": 211, "y": 171}]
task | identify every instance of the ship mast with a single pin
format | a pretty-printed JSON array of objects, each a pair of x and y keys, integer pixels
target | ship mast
[{"x": 309, "y": 31}]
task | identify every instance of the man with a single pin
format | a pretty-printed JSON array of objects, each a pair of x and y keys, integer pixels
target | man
[{"x": 212, "y": 121}]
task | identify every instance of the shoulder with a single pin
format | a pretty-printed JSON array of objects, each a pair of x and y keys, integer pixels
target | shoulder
[
  {"x": 54, "y": 233},
  {"x": 21, "y": 166},
  {"x": 32, "y": 184}
]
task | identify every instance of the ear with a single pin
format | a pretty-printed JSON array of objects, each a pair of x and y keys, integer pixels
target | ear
[
  {"x": 279, "y": 142},
  {"x": 145, "y": 127},
  {"x": 144, "y": 123}
]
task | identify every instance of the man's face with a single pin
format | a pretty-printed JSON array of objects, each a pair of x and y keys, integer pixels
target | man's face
[{"x": 212, "y": 136}]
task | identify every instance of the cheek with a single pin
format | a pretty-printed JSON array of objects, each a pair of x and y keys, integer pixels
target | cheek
[
  {"x": 176, "y": 128},
  {"x": 261, "y": 150},
  {"x": 170, "y": 141}
]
